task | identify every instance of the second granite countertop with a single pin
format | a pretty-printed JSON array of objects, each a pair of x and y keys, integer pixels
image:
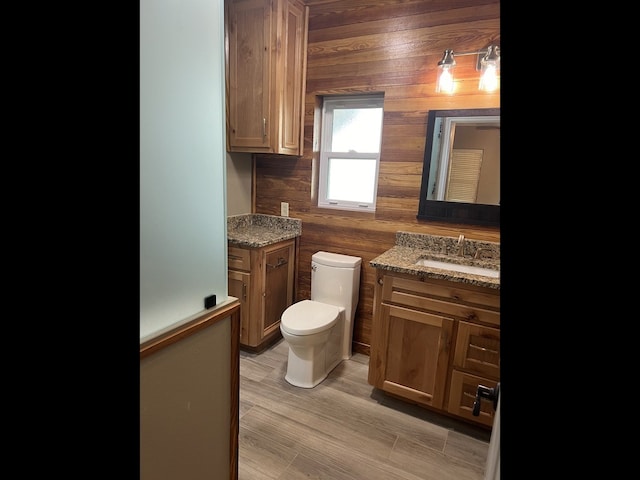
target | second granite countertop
[
  {"x": 411, "y": 247},
  {"x": 257, "y": 230}
]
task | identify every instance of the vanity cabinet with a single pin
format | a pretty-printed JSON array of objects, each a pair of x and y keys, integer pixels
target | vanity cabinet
[
  {"x": 266, "y": 75},
  {"x": 434, "y": 341},
  {"x": 263, "y": 280}
]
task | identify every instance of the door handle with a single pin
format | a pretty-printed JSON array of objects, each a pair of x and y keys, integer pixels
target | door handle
[{"x": 489, "y": 394}]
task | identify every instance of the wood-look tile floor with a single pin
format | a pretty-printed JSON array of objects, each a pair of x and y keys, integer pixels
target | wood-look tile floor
[{"x": 344, "y": 429}]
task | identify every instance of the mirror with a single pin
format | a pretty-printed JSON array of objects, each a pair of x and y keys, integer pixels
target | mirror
[{"x": 461, "y": 170}]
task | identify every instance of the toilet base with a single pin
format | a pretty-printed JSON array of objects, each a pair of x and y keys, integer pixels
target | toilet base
[
  {"x": 309, "y": 364},
  {"x": 308, "y": 368},
  {"x": 312, "y": 357}
]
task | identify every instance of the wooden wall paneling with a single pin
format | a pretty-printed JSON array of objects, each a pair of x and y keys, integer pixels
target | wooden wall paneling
[
  {"x": 327, "y": 15},
  {"x": 356, "y": 46}
]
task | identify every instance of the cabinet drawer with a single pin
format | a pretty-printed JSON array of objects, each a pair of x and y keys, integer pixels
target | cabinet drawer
[
  {"x": 440, "y": 289},
  {"x": 239, "y": 258},
  {"x": 478, "y": 349},
  {"x": 462, "y": 394},
  {"x": 458, "y": 310}
]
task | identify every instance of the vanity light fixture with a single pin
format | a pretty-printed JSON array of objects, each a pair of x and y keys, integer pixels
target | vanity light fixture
[
  {"x": 488, "y": 64},
  {"x": 444, "y": 83},
  {"x": 489, "y": 68}
]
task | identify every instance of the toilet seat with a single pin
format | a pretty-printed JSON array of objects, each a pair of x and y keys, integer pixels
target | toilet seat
[{"x": 308, "y": 317}]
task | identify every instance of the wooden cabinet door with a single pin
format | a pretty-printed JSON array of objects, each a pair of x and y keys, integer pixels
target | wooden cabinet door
[
  {"x": 462, "y": 394},
  {"x": 239, "y": 286},
  {"x": 291, "y": 66},
  {"x": 478, "y": 349},
  {"x": 249, "y": 32},
  {"x": 414, "y": 360},
  {"x": 278, "y": 286}
]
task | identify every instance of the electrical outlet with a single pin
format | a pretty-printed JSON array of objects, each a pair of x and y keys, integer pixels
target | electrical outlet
[{"x": 284, "y": 209}]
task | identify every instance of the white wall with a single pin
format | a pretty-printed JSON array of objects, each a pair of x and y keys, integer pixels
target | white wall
[
  {"x": 239, "y": 178},
  {"x": 183, "y": 236}
]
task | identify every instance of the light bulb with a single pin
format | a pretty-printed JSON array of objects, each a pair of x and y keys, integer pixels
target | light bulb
[
  {"x": 489, "y": 79},
  {"x": 490, "y": 66},
  {"x": 444, "y": 82}
]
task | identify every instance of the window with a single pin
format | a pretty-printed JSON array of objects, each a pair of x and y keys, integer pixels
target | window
[{"x": 350, "y": 152}]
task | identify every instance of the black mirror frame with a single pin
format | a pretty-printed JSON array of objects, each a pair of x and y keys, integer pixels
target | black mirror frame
[{"x": 455, "y": 212}]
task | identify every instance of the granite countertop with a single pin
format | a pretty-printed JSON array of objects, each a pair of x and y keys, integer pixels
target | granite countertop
[
  {"x": 411, "y": 247},
  {"x": 256, "y": 230}
]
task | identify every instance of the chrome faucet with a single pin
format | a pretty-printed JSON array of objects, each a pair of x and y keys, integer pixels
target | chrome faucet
[
  {"x": 479, "y": 253},
  {"x": 461, "y": 245}
]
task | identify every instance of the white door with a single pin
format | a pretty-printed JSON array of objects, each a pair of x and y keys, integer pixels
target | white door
[{"x": 492, "y": 469}]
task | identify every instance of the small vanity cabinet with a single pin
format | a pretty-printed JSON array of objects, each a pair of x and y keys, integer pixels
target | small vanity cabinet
[
  {"x": 263, "y": 279},
  {"x": 265, "y": 66},
  {"x": 434, "y": 341}
]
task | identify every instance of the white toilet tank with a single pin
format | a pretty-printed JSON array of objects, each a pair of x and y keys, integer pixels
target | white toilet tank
[{"x": 335, "y": 279}]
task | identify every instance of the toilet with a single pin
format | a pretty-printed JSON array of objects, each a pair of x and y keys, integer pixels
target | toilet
[{"x": 319, "y": 331}]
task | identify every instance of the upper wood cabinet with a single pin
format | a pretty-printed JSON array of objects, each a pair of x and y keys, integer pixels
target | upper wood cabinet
[{"x": 266, "y": 62}]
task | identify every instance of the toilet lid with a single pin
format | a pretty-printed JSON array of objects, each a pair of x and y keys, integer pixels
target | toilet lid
[{"x": 307, "y": 317}]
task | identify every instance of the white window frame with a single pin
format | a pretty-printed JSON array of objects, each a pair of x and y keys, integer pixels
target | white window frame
[{"x": 330, "y": 103}]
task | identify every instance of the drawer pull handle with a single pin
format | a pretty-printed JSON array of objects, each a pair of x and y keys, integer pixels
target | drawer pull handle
[
  {"x": 482, "y": 349},
  {"x": 281, "y": 261}
]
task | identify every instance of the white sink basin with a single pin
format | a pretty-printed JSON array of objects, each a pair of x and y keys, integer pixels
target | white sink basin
[{"x": 487, "y": 272}]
